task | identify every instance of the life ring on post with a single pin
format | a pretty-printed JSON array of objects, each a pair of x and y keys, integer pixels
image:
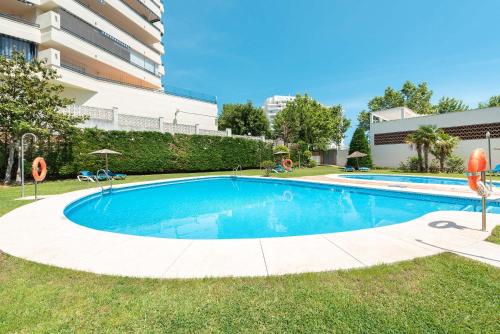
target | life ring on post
[
  {"x": 39, "y": 169},
  {"x": 477, "y": 164},
  {"x": 287, "y": 164}
]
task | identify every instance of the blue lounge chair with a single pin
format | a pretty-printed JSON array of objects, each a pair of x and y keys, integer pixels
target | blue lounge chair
[
  {"x": 279, "y": 169},
  {"x": 364, "y": 169},
  {"x": 86, "y": 175},
  {"x": 117, "y": 175},
  {"x": 349, "y": 169},
  {"x": 496, "y": 170}
]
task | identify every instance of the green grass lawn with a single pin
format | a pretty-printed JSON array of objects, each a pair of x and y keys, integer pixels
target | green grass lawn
[{"x": 439, "y": 294}]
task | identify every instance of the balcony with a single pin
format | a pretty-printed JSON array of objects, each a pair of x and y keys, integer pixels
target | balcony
[
  {"x": 144, "y": 9},
  {"x": 106, "y": 74},
  {"x": 79, "y": 28},
  {"x": 90, "y": 15},
  {"x": 120, "y": 78},
  {"x": 127, "y": 18},
  {"x": 18, "y": 20}
]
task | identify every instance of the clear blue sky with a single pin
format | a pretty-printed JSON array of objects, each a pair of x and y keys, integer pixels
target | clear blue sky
[{"x": 338, "y": 51}]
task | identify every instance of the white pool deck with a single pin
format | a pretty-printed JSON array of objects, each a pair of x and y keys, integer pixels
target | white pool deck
[{"x": 40, "y": 232}]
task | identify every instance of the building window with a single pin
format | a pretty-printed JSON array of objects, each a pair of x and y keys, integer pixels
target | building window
[{"x": 10, "y": 44}]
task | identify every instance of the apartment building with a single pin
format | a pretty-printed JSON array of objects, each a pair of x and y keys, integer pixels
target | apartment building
[{"x": 108, "y": 54}]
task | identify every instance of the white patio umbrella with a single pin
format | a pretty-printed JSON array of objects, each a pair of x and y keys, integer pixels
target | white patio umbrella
[
  {"x": 357, "y": 155},
  {"x": 105, "y": 152}
]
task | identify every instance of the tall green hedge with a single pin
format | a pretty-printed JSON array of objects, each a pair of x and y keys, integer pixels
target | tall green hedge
[{"x": 153, "y": 152}]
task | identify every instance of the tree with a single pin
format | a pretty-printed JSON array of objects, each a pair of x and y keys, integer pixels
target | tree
[
  {"x": 364, "y": 120},
  {"x": 359, "y": 143},
  {"x": 415, "y": 97},
  {"x": 30, "y": 102},
  {"x": 423, "y": 140},
  {"x": 494, "y": 101},
  {"x": 243, "y": 119},
  {"x": 391, "y": 99},
  {"x": 443, "y": 147},
  {"x": 415, "y": 141},
  {"x": 304, "y": 119},
  {"x": 449, "y": 104}
]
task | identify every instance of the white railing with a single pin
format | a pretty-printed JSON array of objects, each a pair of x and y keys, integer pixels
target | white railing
[
  {"x": 138, "y": 123},
  {"x": 179, "y": 128},
  {"x": 110, "y": 119},
  {"x": 212, "y": 133},
  {"x": 91, "y": 112}
]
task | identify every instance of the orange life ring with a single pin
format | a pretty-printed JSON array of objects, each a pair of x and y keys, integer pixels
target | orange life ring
[
  {"x": 477, "y": 164},
  {"x": 39, "y": 169},
  {"x": 287, "y": 163}
]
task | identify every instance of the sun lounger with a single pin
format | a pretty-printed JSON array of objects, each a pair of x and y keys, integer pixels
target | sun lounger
[
  {"x": 496, "y": 170},
  {"x": 117, "y": 175},
  {"x": 86, "y": 175}
]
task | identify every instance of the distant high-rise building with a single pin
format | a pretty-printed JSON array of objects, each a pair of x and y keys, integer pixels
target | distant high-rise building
[{"x": 275, "y": 104}]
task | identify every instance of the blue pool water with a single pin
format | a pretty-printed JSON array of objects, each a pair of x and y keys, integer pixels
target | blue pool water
[
  {"x": 232, "y": 208},
  {"x": 411, "y": 179}
]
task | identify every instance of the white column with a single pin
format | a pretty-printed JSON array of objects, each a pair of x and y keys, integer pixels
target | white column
[
  {"x": 160, "y": 121},
  {"x": 115, "y": 119},
  {"x": 51, "y": 56},
  {"x": 229, "y": 132}
]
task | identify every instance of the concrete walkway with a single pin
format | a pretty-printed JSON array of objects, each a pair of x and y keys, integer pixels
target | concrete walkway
[{"x": 40, "y": 232}]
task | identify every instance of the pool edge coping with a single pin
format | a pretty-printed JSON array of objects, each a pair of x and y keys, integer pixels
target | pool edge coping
[{"x": 60, "y": 202}]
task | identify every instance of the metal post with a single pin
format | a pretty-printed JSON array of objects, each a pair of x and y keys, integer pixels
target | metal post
[
  {"x": 488, "y": 135},
  {"x": 36, "y": 190},
  {"x": 483, "y": 204},
  {"x": 22, "y": 160}
]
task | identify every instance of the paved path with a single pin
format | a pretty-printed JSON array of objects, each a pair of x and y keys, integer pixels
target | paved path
[{"x": 40, "y": 232}]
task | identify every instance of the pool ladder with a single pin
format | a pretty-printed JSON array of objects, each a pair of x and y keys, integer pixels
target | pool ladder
[
  {"x": 235, "y": 169},
  {"x": 104, "y": 191}
]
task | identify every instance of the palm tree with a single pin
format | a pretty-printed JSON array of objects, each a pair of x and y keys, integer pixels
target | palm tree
[
  {"x": 422, "y": 140},
  {"x": 415, "y": 141},
  {"x": 429, "y": 134},
  {"x": 443, "y": 147}
]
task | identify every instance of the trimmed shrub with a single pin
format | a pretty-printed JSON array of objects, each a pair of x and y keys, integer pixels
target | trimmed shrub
[
  {"x": 151, "y": 152},
  {"x": 434, "y": 166},
  {"x": 412, "y": 164},
  {"x": 455, "y": 164},
  {"x": 312, "y": 164},
  {"x": 268, "y": 166}
]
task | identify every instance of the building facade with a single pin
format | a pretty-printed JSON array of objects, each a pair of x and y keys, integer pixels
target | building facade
[
  {"x": 108, "y": 54},
  {"x": 275, "y": 104},
  {"x": 389, "y": 128}
]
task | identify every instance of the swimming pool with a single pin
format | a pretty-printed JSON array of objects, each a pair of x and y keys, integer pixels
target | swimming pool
[
  {"x": 410, "y": 179},
  {"x": 239, "y": 207}
]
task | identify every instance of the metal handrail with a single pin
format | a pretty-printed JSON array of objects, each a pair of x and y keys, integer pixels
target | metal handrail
[
  {"x": 235, "y": 169},
  {"x": 110, "y": 179}
]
